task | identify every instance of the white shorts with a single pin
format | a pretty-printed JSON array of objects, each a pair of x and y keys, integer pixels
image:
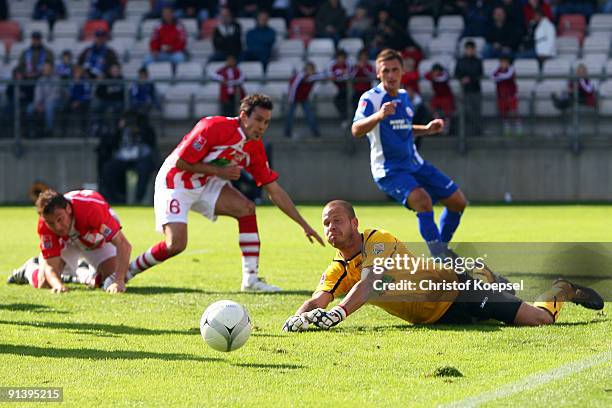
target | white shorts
[
  {"x": 172, "y": 205},
  {"x": 71, "y": 254}
]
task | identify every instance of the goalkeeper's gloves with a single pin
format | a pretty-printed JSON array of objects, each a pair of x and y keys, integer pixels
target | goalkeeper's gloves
[
  {"x": 295, "y": 323},
  {"x": 324, "y": 319}
]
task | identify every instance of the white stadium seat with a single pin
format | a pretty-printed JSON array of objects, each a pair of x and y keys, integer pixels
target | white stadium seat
[
  {"x": 201, "y": 50},
  {"x": 543, "y": 102},
  {"x": 556, "y": 67},
  {"x": 321, "y": 47},
  {"x": 596, "y": 43},
  {"x": 291, "y": 48},
  {"x": 191, "y": 25},
  {"x": 478, "y": 41},
  {"x": 190, "y": 70},
  {"x": 421, "y": 24},
  {"x": 147, "y": 27},
  {"x": 605, "y": 101},
  {"x": 29, "y": 26},
  {"x": 213, "y": 67},
  {"x": 489, "y": 66},
  {"x": 252, "y": 70},
  {"x": 452, "y": 24},
  {"x": 66, "y": 29},
  {"x": 124, "y": 29},
  {"x": 600, "y": 22},
  {"x": 351, "y": 46},
  {"x": 278, "y": 24},
  {"x": 139, "y": 50},
  {"x": 526, "y": 67},
  {"x": 160, "y": 70},
  {"x": 568, "y": 45},
  {"x": 280, "y": 70},
  {"x": 177, "y": 102}
]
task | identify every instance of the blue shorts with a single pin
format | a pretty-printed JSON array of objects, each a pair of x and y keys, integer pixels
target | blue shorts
[{"x": 398, "y": 185}]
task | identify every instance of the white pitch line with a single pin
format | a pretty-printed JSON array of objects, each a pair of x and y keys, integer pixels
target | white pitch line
[{"x": 534, "y": 380}]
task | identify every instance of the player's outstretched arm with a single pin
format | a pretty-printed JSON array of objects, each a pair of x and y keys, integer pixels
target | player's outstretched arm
[
  {"x": 357, "y": 297},
  {"x": 434, "y": 127},
  {"x": 53, "y": 266},
  {"x": 281, "y": 199},
  {"x": 298, "y": 322},
  {"x": 229, "y": 172},
  {"x": 362, "y": 126},
  {"x": 124, "y": 250}
]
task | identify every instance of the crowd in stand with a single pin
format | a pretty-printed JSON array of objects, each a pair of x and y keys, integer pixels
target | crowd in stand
[{"x": 512, "y": 29}]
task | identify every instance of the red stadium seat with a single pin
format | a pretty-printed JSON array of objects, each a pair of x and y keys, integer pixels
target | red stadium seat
[
  {"x": 10, "y": 31},
  {"x": 302, "y": 28},
  {"x": 90, "y": 28},
  {"x": 208, "y": 28},
  {"x": 571, "y": 23}
]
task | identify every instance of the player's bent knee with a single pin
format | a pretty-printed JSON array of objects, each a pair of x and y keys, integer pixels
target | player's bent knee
[
  {"x": 529, "y": 315},
  {"x": 420, "y": 201},
  {"x": 176, "y": 245}
]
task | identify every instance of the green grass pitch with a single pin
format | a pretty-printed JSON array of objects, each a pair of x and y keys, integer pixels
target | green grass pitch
[{"x": 143, "y": 348}]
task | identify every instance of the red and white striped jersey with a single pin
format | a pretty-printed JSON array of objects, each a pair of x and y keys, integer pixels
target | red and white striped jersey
[
  {"x": 217, "y": 140},
  {"x": 94, "y": 223}
]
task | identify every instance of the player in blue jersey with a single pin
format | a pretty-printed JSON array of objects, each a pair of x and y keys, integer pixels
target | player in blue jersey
[{"x": 385, "y": 115}]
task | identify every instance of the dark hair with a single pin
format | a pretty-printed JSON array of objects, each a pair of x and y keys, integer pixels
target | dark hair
[
  {"x": 387, "y": 55},
  {"x": 250, "y": 102},
  {"x": 437, "y": 67},
  {"x": 143, "y": 70},
  {"x": 341, "y": 53},
  {"x": 469, "y": 44},
  {"x": 345, "y": 205},
  {"x": 50, "y": 200}
]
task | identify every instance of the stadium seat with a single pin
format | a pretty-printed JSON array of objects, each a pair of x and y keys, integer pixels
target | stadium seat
[
  {"x": 425, "y": 87},
  {"x": 526, "y": 67},
  {"x": 489, "y": 94},
  {"x": 291, "y": 48},
  {"x": 423, "y": 39},
  {"x": 450, "y": 24},
  {"x": 252, "y": 87},
  {"x": 90, "y": 28},
  {"x": 571, "y": 23},
  {"x": 594, "y": 63},
  {"x": 489, "y": 65},
  {"x": 447, "y": 61},
  {"x": 525, "y": 90},
  {"x": 478, "y": 41},
  {"x": 121, "y": 47},
  {"x": 20, "y": 10},
  {"x": 421, "y": 24},
  {"x": 442, "y": 46},
  {"x": 190, "y": 70},
  {"x": 28, "y": 27},
  {"x": 320, "y": 47},
  {"x": 135, "y": 10},
  {"x": 252, "y": 70},
  {"x": 596, "y": 43},
  {"x": 556, "y": 67},
  {"x": 246, "y": 23},
  {"x": 138, "y": 50},
  {"x": 201, "y": 50},
  {"x": 66, "y": 29},
  {"x": 279, "y": 25},
  {"x": 543, "y": 101},
  {"x": 177, "y": 102},
  {"x": 207, "y": 100},
  {"x": 10, "y": 31},
  {"x": 568, "y": 45},
  {"x": 125, "y": 29},
  {"x": 191, "y": 25},
  {"x": 213, "y": 67},
  {"x": 62, "y": 44},
  {"x": 605, "y": 98},
  {"x": 302, "y": 28},
  {"x": 608, "y": 67},
  {"x": 349, "y": 6},
  {"x": 351, "y": 46},
  {"x": 321, "y": 62},
  {"x": 280, "y": 70},
  {"x": 146, "y": 28},
  {"x": 80, "y": 47},
  {"x": 130, "y": 69},
  {"x": 16, "y": 49},
  {"x": 160, "y": 70},
  {"x": 208, "y": 28},
  {"x": 600, "y": 22}
]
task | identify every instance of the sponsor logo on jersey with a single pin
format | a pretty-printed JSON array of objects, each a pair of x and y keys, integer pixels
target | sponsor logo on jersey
[
  {"x": 409, "y": 111},
  {"x": 106, "y": 230},
  {"x": 47, "y": 242}
]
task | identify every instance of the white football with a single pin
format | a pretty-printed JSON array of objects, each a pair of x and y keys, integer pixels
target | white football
[{"x": 225, "y": 325}]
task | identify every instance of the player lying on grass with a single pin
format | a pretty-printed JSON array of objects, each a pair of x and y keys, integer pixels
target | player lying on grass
[
  {"x": 78, "y": 224},
  {"x": 196, "y": 176},
  {"x": 352, "y": 273}
]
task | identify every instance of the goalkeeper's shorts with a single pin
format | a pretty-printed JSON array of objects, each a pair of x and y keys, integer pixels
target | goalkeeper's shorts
[{"x": 475, "y": 305}]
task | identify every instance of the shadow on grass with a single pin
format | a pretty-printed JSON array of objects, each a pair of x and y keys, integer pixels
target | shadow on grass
[
  {"x": 167, "y": 290},
  {"x": 96, "y": 328},
  {"x": 270, "y": 366},
  {"x": 30, "y": 307},
  {"x": 95, "y": 354}
]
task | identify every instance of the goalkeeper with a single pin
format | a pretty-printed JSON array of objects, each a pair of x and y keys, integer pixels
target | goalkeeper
[{"x": 355, "y": 272}]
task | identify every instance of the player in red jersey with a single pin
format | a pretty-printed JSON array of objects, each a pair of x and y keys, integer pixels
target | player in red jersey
[
  {"x": 78, "y": 224},
  {"x": 196, "y": 176}
]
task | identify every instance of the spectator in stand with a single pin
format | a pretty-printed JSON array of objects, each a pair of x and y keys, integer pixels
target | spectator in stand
[
  {"x": 541, "y": 37},
  {"x": 476, "y": 17},
  {"x": 168, "y": 41},
  {"x": 388, "y": 34},
  {"x": 157, "y": 6},
  {"x": 250, "y": 8},
  {"x": 304, "y": 8},
  {"x": 397, "y": 9},
  {"x": 584, "y": 7},
  {"x": 198, "y": 9},
  {"x": 469, "y": 71},
  {"x": 362, "y": 73},
  {"x": 63, "y": 68},
  {"x": 507, "y": 95},
  {"x": 110, "y": 96},
  {"x": 227, "y": 37},
  {"x": 410, "y": 77},
  {"x": 132, "y": 146},
  {"x": 359, "y": 24},
  {"x": 442, "y": 102},
  {"x": 143, "y": 95},
  {"x": 340, "y": 73},
  {"x": 300, "y": 86},
  {"x": 99, "y": 57},
  {"x": 109, "y": 10},
  {"x": 421, "y": 7},
  {"x": 606, "y": 7},
  {"x": 281, "y": 8},
  {"x": 79, "y": 99},
  {"x": 502, "y": 37},
  {"x": 46, "y": 97},
  {"x": 4, "y": 10},
  {"x": 33, "y": 58},
  {"x": 330, "y": 20},
  {"x": 514, "y": 13},
  {"x": 50, "y": 10},
  {"x": 586, "y": 91},
  {"x": 231, "y": 90},
  {"x": 530, "y": 7},
  {"x": 260, "y": 40}
]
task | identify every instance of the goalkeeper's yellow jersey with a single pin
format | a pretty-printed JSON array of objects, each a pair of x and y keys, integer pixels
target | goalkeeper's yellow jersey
[{"x": 342, "y": 274}]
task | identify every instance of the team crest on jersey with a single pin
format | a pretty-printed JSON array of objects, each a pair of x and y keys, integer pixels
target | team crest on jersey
[
  {"x": 198, "y": 143},
  {"x": 378, "y": 248},
  {"x": 363, "y": 105},
  {"x": 409, "y": 111},
  {"x": 47, "y": 242},
  {"x": 106, "y": 230}
]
